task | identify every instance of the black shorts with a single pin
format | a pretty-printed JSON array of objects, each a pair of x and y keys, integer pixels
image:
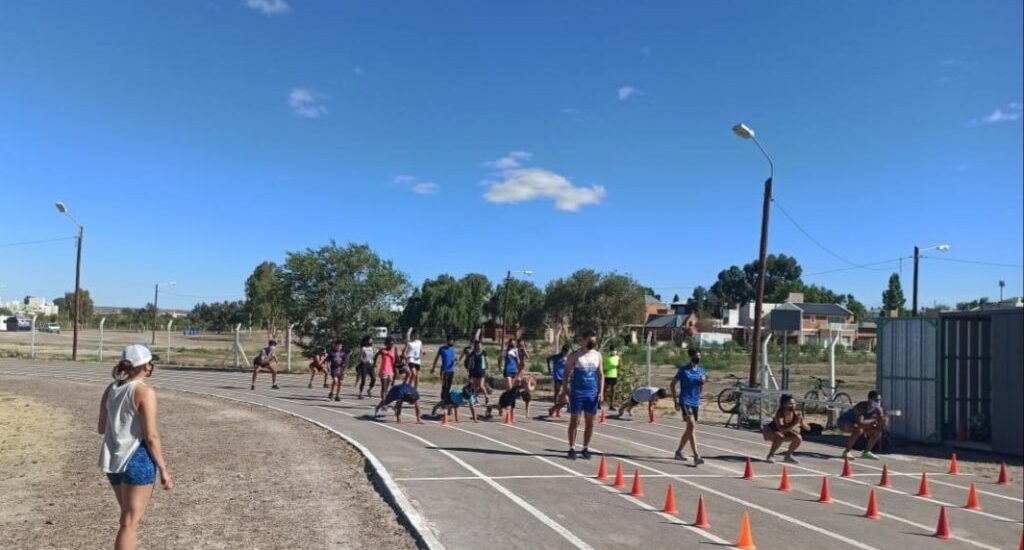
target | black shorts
[
  {"x": 610, "y": 382},
  {"x": 477, "y": 373},
  {"x": 363, "y": 369},
  {"x": 414, "y": 366},
  {"x": 633, "y": 402},
  {"x": 690, "y": 412}
]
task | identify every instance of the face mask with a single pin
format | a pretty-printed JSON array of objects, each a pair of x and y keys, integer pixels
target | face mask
[
  {"x": 591, "y": 344},
  {"x": 875, "y": 405}
]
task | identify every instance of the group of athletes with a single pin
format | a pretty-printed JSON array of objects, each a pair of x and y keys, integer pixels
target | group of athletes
[{"x": 581, "y": 378}]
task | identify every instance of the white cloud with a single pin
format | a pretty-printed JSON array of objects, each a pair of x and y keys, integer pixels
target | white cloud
[
  {"x": 950, "y": 62},
  {"x": 526, "y": 184},
  {"x": 426, "y": 188},
  {"x": 403, "y": 179},
  {"x": 269, "y": 7},
  {"x": 305, "y": 103},
  {"x": 510, "y": 161},
  {"x": 626, "y": 92},
  {"x": 1012, "y": 113}
]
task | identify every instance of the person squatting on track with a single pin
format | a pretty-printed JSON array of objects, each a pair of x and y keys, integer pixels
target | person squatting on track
[
  {"x": 611, "y": 374},
  {"x": 585, "y": 391},
  {"x": 446, "y": 356},
  {"x": 643, "y": 394},
  {"x": 521, "y": 389},
  {"x": 336, "y": 359},
  {"x": 690, "y": 379},
  {"x": 318, "y": 364},
  {"x": 785, "y": 426},
  {"x": 457, "y": 399},
  {"x": 131, "y": 454},
  {"x": 387, "y": 365},
  {"x": 365, "y": 367},
  {"x": 400, "y": 394},
  {"x": 411, "y": 352},
  {"x": 865, "y": 418},
  {"x": 265, "y": 359}
]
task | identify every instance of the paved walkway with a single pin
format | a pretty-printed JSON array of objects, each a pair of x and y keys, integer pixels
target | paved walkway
[{"x": 511, "y": 486}]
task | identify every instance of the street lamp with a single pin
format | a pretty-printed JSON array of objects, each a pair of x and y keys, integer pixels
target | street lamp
[
  {"x": 156, "y": 311},
  {"x": 63, "y": 209},
  {"x": 504, "y": 307},
  {"x": 745, "y": 132},
  {"x": 917, "y": 256}
]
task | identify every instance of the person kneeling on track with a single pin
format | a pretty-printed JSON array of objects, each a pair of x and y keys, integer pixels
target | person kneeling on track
[
  {"x": 785, "y": 426},
  {"x": 643, "y": 394},
  {"x": 865, "y": 418},
  {"x": 507, "y": 399},
  {"x": 456, "y": 399},
  {"x": 400, "y": 394}
]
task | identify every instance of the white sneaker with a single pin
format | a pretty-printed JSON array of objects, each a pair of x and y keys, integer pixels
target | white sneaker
[
  {"x": 770, "y": 459},
  {"x": 869, "y": 455},
  {"x": 846, "y": 455},
  {"x": 790, "y": 459}
]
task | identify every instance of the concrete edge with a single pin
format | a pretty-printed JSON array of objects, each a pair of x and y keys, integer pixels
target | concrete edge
[{"x": 408, "y": 516}]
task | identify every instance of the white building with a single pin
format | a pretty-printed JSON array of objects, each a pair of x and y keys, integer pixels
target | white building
[{"x": 35, "y": 306}]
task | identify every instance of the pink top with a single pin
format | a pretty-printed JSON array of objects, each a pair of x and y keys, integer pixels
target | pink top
[{"x": 387, "y": 362}]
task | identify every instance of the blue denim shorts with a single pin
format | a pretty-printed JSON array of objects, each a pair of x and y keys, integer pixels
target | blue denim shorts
[{"x": 141, "y": 470}]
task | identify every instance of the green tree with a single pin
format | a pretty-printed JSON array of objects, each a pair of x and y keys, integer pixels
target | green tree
[
  {"x": 892, "y": 298},
  {"x": 675, "y": 298},
  {"x": 699, "y": 302},
  {"x": 5, "y": 311},
  {"x": 525, "y": 306},
  {"x": 782, "y": 276},
  {"x": 66, "y": 306},
  {"x": 341, "y": 292},
  {"x": 731, "y": 289},
  {"x": 476, "y": 291},
  {"x": 588, "y": 300},
  {"x": 266, "y": 297},
  {"x": 218, "y": 316}
]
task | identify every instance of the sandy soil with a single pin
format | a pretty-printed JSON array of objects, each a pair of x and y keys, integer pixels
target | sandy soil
[{"x": 245, "y": 477}]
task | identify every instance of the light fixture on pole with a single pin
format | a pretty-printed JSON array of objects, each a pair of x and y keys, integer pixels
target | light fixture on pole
[
  {"x": 745, "y": 132},
  {"x": 917, "y": 256},
  {"x": 63, "y": 209},
  {"x": 156, "y": 310},
  {"x": 1002, "y": 284},
  {"x": 504, "y": 307}
]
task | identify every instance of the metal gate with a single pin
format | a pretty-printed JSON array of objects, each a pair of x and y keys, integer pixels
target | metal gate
[
  {"x": 907, "y": 374},
  {"x": 966, "y": 372}
]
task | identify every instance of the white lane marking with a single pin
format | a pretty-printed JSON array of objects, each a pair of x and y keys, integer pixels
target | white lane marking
[
  {"x": 925, "y": 528},
  {"x": 951, "y": 507}
]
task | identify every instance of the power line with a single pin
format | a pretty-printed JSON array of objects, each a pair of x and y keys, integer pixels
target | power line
[
  {"x": 974, "y": 262},
  {"x": 39, "y": 241},
  {"x": 210, "y": 297},
  {"x": 854, "y": 265},
  {"x": 861, "y": 266}
]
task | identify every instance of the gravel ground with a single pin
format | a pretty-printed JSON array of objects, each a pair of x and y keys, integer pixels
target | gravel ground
[{"x": 245, "y": 477}]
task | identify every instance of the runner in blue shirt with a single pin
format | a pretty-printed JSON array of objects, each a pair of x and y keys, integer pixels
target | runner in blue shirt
[
  {"x": 556, "y": 368},
  {"x": 690, "y": 379},
  {"x": 511, "y": 367},
  {"x": 585, "y": 391},
  {"x": 446, "y": 356},
  {"x": 400, "y": 394}
]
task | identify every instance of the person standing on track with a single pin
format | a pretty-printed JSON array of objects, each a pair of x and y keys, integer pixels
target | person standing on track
[
  {"x": 476, "y": 362},
  {"x": 132, "y": 453},
  {"x": 365, "y": 368},
  {"x": 585, "y": 391},
  {"x": 556, "y": 368},
  {"x": 785, "y": 426},
  {"x": 865, "y": 418},
  {"x": 522, "y": 356},
  {"x": 387, "y": 365},
  {"x": 400, "y": 394},
  {"x": 511, "y": 367},
  {"x": 446, "y": 356},
  {"x": 611, "y": 374},
  {"x": 318, "y": 364},
  {"x": 690, "y": 379},
  {"x": 336, "y": 359},
  {"x": 412, "y": 351},
  {"x": 265, "y": 360}
]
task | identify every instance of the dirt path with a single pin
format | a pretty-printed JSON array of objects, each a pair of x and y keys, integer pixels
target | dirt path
[{"x": 245, "y": 477}]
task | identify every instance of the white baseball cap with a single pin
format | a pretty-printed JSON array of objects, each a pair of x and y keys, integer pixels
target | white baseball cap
[{"x": 138, "y": 354}]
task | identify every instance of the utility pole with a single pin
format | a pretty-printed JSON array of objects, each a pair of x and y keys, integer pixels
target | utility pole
[{"x": 156, "y": 310}]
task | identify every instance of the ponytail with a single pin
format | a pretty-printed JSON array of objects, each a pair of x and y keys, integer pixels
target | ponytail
[{"x": 124, "y": 370}]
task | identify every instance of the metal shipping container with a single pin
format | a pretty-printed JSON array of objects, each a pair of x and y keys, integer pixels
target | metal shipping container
[{"x": 907, "y": 375}]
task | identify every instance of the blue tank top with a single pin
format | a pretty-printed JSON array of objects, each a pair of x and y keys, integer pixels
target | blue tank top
[{"x": 586, "y": 374}]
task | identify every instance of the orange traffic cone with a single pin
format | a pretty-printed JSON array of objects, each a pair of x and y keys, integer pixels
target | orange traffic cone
[
  {"x": 638, "y": 488},
  {"x": 651, "y": 418},
  {"x": 1004, "y": 479},
  {"x": 746, "y": 541},
  {"x": 972, "y": 499},
  {"x": 670, "y": 501},
  {"x": 847, "y": 469},
  {"x": 826, "y": 495},
  {"x": 923, "y": 490},
  {"x": 954, "y": 468},
  {"x": 620, "y": 480},
  {"x": 444, "y": 419},
  {"x": 702, "y": 515},
  {"x": 748, "y": 472},
  {"x": 872, "y": 512},
  {"x": 784, "y": 484},
  {"x": 602, "y": 469},
  {"x": 1021, "y": 547},
  {"x": 884, "y": 482},
  {"x": 602, "y": 418},
  {"x": 942, "y": 531}
]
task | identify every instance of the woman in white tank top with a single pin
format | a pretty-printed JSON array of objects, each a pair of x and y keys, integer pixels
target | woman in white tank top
[{"x": 131, "y": 454}]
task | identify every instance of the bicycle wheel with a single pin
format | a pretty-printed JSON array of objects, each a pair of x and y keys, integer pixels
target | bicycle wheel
[
  {"x": 843, "y": 397},
  {"x": 811, "y": 407},
  {"x": 728, "y": 400}
]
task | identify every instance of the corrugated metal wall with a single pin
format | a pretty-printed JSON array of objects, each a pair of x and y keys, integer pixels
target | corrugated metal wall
[
  {"x": 966, "y": 372},
  {"x": 907, "y": 373},
  {"x": 1008, "y": 382}
]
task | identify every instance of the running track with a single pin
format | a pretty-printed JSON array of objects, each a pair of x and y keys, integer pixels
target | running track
[{"x": 510, "y": 486}]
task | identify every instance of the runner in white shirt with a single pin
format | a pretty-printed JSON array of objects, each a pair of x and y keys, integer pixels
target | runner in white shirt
[
  {"x": 643, "y": 394},
  {"x": 413, "y": 350}
]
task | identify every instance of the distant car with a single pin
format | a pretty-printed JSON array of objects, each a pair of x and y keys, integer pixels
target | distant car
[{"x": 52, "y": 328}]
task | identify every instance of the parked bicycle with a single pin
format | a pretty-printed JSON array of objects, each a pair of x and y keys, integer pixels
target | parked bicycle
[
  {"x": 730, "y": 400},
  {"x": 822, "y": 392}
]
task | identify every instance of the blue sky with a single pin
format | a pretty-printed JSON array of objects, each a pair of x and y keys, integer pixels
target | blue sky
[{"x": 195, "y": 139}]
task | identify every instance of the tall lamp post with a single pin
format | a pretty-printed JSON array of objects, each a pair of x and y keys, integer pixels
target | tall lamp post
[
  {"x": 504, "y": 306},
  {"x": 745, "y": 132},
  {"x": 63, "y": 209},
  {"x": 917, "y": 257},
  {"x": 156, "y": 310}
]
